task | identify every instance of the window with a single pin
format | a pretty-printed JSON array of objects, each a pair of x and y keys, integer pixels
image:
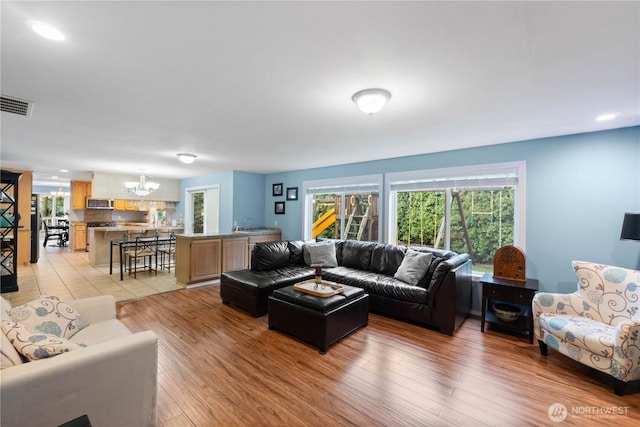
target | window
[
  {"x": 475, "y": 209},
  {"x": 54, "y": 208},
  {"x": 202, "y": 209},
  {"x": 344, "y": 208}
]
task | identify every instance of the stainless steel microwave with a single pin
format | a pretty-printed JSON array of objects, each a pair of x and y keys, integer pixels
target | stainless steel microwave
[{"x": 99, "y": 203}]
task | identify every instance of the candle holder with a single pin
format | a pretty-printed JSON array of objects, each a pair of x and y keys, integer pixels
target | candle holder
[{"x": 318, "y": 268}]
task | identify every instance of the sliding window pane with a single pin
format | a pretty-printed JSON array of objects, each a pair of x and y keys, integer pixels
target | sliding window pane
[
  {"x": 198, "y": 212},
  {"x": 326, "y": 216},
  {"x": 420, "y": 218},
  {"x": 482, "y": 221},
  {"x": 361, "y": 216}
]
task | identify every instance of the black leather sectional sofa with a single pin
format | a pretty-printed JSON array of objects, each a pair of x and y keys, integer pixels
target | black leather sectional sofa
[{"x": 441, "y": 299}]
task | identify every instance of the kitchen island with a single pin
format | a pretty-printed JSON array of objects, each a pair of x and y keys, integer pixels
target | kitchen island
[
  {"x": 204, "y": 257},
  {"x": 99, "y": 239}
]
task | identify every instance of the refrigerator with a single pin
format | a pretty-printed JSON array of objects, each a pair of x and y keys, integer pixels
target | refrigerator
[{"x": 36, "y": 223}]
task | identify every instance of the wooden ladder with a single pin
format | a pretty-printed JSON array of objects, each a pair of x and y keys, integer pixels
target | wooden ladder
[{"x": 356, "y": 225}]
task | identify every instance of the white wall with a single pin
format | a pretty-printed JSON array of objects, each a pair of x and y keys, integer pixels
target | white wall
[{"x": 111, "y": 186}]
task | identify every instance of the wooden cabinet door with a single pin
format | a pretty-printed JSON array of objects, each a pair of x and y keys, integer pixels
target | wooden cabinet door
[
  {"x": 125, "y": 205},
  {"x": 79, "y": 237},
  {"x": 79, "y": 192},
  {"x": 131, "y": 205},
  {"x": 235, "y": 254},
  {"x": 205, "y": 259}
]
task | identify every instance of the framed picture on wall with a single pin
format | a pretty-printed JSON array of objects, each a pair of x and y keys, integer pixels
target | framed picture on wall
[
  {"x": 277, "y": 189},
  {"x": 292, "y": 193},
  {"x": 279, "y": 208}
]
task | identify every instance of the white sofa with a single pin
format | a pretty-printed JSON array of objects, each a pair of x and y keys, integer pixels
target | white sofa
[{"x": 113, "y": 380}]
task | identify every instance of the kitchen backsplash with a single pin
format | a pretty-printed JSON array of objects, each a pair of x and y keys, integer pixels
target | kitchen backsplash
[{"x": 96, "y": 215}]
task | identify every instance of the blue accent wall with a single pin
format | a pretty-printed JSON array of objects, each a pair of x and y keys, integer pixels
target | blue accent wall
[
  {"x": 241, "y": 197},
  {"x": 225, "y": 181},
  {"x": 577, "y": 190},
  {"x": 248, "y": 199}
]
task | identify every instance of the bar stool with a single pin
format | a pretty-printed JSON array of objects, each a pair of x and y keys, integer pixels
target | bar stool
[
  {"x": 167, "y": 251},
  {"x": 144, "y": 249}
]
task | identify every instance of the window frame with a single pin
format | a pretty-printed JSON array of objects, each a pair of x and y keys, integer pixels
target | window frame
[
  {"x": 464, "y": 176},
  {"x": 337, "y": 185}
]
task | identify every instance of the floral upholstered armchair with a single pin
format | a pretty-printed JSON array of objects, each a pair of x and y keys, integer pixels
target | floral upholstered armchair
[{"x": 598, "y": 325}]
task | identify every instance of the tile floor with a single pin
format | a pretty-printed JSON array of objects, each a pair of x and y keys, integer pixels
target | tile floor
[{"x": 67, "y": 274}]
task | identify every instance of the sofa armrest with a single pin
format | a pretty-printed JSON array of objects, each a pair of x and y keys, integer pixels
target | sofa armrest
[
  {"x": 626, "y": 344},
  {"x": 545, "y": 302},
  {"x": 451, "y": 299},
  {"x": 114, "y": 383},
  {"x": 627, "y": 336},
  {"x": 551, "y": 303},
  {"x": 442, "y": 270},
  {"x": 95, "y": 309}
]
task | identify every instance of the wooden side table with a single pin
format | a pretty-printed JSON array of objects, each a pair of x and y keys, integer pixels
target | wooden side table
[{"x": 512, "y": 292}]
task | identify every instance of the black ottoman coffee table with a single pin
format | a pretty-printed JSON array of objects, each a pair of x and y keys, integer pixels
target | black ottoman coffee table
[{"x": 317, "y": 320}]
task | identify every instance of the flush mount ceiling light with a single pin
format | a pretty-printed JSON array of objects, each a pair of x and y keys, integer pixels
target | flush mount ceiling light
[
  {"x": 141, "y": 188},
  {"x": 371, "y": 101},
  {"x": 186, "y": 157},
  {"x": 46, "y": 30}
]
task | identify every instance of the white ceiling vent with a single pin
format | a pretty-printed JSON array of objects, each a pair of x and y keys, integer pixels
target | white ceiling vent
[{"x": 16, "y": 106}]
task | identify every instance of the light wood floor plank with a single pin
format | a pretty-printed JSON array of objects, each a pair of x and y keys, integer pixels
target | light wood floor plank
[{"x": 223, "y": 367}]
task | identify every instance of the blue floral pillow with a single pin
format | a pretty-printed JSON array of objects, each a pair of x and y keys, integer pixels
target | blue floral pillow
[
  {"x": 35, "y": 345},
  {"x": 49, "y": 315}
]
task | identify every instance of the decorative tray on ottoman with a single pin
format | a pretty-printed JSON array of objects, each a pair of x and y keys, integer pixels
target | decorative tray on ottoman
[{"x": 324, "y": 289}]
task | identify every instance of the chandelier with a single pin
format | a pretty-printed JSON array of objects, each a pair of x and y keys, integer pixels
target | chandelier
[
  {"x": 59, "y": 193},
  {"x": 141, "y": 188}
]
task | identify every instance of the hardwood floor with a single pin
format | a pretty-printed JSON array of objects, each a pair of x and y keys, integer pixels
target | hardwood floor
[{"x": 221, "y": 367}]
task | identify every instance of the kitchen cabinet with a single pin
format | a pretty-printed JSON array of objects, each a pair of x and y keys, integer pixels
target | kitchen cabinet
[
  {"x": 80, "y": 190},
  {"x": 125, "y": 205},
  {"x": 79, "y": 237},
  {"x": 198, "y": 260},
  {"x": 235, "y": 255}
]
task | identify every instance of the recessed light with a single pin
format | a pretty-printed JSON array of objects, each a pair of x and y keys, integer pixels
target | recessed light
[
  {"x": 605, "y": 117},
  {"x": 54, "y": 177},
  {"x": 46, "y": 30},
  {"x": 64, "y": 170}
]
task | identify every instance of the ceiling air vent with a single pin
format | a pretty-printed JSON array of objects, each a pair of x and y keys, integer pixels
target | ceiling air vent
[{"x": 15, "y": 106}]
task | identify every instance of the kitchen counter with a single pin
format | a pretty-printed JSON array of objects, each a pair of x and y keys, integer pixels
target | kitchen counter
[
  {"x": 240, "y": 233},
  {"x": 123, "y": 228},
  {"x": 203, "y": 257},
  {"x": 100, "y": 239}
]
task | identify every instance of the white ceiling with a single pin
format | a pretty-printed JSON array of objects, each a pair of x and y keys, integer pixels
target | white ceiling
[{"x": 266, "y": 86}]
